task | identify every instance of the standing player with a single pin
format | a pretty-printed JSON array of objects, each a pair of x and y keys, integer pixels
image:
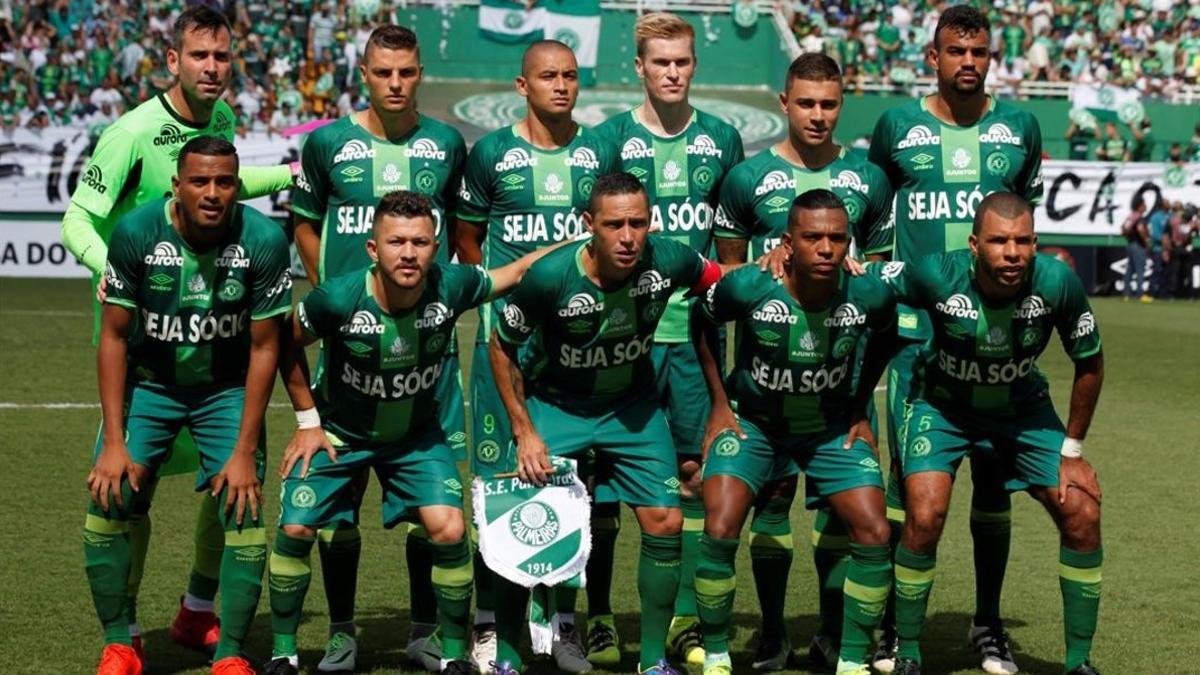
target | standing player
[
  {"x": 943, "y": 154},
  {"x": 755, "y": 201},
  {"x": 586, "y": 383},
  {"x": 133, "y": 163},
  {"x": 386, "y": 330},
  {"x": 346, "y": 167},
  {"x": 524, "y": 187},
  {"x": 197, "y": 287},
  {"x": 681, "y": 155},
  {"x": 991, "y": 310},
  {"x": 792, "y": 382}
]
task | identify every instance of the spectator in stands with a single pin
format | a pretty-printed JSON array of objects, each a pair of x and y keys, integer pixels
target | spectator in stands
[
  {"x": 1158, "y": 246},
  {"x": 1079, "y": 139},
  {"x": 1137, "y": 240},
  {"x": 1182, "y": 228},
  {"x": 1114, "y": 148},
  {"x": 1143, "y": 141}
]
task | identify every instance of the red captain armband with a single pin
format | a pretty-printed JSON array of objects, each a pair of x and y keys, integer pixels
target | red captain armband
[{"x": 710, "y": 275}]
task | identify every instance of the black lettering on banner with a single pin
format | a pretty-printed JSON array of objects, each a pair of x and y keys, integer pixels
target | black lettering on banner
[
  {"x": 35, "y": 253},
  {"x": 53, "y": 195},
  {"x": 1141, "y": 192},
  {"x": 9, "y": 256},
  {"x": 1107, "y": 188},
  {"x": 1051, "y": 199}
]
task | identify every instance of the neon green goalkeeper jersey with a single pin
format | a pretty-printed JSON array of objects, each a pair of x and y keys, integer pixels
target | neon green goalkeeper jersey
[{"x": 682, "y": 175}]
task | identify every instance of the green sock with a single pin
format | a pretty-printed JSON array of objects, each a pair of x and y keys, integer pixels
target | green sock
[
  {"x": 658, "y": 582},
  {"x": 693, "y": 527},
  {"x": 771, "y": 561},
  {"x": 895, "y": 516},
  {"x": 1079, "y": 578},
  {"x": 452, "y": 579},
  {"x": 106, "y": 554},
  {"x": 606, "y": 524},
  {"x": 831, "y": 557},
  {"x": 209, "y": 545},
  {"x": 291, "y": 573},
  {"x": 419, "y": 554},
  {"x": 991, "y": 534},
  {"x": 140, "y": 530},
  {"x": 242, "y": 565},
  {"x": 868, "y": 582},
  {"x": 511, "y": 602},
  {"x": 914, "y": 580},
  {"x": 716, "y": 582},
  {"x": 340, "y": 547}
]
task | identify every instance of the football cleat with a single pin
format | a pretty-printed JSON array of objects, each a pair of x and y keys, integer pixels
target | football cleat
[
  {"x": 503, "y": 668},
  {"x": 906, "y": 666},
  {"x": 772, "y": 655},
  {"x": 195, "y": 630},
  {"x": 1085, "y": 668},
  {"x": 341, "y": 654},
  {"x": 425, "y": 651},
  {"x": 823, "y": 652},
  {"x": 660, "y": 668},
  {"x": 717, "y": 665},
  {"x": 282, "y": 665},
  {"x": 233, "y": 665},
  {"x": 602, "y": 641},
  {"x": 483, "y": 647},
  {"x": 568, "y": 652},
  {"x": 992, "y": 645},
  {"x": 685, "y": 642},
  {"x": 884, "y": 658},
  {"x": 459, "y": 667},
  {"x": 119, "y": 660}
]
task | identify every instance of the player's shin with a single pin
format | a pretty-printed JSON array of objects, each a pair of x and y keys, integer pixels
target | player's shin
[
  {"x": 715, "y": 585},
  {"x": 914, "y": 580},
  {"x": 106, "y": 552},
  {"x": 606, "y": 524},
  {"x": 771, "y": 552},
  {"x": 452, "y": 579},
  {"x": 868, "y": 582},
  {"x": 242, "y": 567},
  {"x": 290, "y": 576},
  {"x": 206, "y": 560},
  {"x": 991, "y": 533},
  {"x": 658, "y": 582},
  {"x": 1080, "y": 581},
  {"x": 831, "y": 557},
  {"x": 419, "y": 555},
  {"x": 339, "y": 548}
]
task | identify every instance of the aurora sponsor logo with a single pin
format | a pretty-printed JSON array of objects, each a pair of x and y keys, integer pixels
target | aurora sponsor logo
[
  {"x": 352, "y": 151},
  {"x": 425, "y": 148},
  {"x": 775, "y": 311},
  {"x": 584, "y": 158},
  {"x": 434, "y": 315},
  {"x": 919, "y": 136},
  {"x": 233, "y": 257},
  {"x": 775, "y": 180},
  {"x": 165, "y": 254},
  {"x": 1086, "y": 325},
  {"x": 850, "y": 180},
  {"x": 958, "y": 305},
  {"x": 170, "y": 134},
  {"x": 705, "y": 146},
  {"x": 111, "y": 278},
  {"x": 515, "y": 319},
  {"x": 891, "y": 270},
  {"x": 363, "y": 323},
  {"x": 1000, "y": 133},
  {"x": 649, "y": 282},
  {"x": 844, "y": 316},
  {"x": 1031, "y": 308},
  {"x": 516, "y": 158},
  {"x": 94, "y": 178},
  {"x": 580, "y": 304},
  {"x": 636, "y": 148}
]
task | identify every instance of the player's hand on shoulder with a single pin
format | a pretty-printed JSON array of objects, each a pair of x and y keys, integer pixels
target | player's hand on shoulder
[
  {"x": 239, "y": 479},
  {"x": 854, "y": 267},
  {"x": 305, "y": 444},
  {"x": 776, "y": 261},
  {"x": 113, "y": 464},
  {"x": 102, "y": 289},
  {"x": 720, "y": 420},
  {"x": 533, "y": 459}
]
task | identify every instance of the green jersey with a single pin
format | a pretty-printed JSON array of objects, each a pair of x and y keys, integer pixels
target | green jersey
[
  {"x": 134, "y": 160},
  {"x": 382, "y": 369},
  {"x": 528, "y": 198},
  {"x": 192, "y": 309},
  {"x": 757, "y": 195},
  {"x": 794, "y": 366},
  {"x": 982, "y": 356},
  {"x": 682, "y": 175},
  {"x": 591, "y": 346},
  {"x": 345, "y": 170}
]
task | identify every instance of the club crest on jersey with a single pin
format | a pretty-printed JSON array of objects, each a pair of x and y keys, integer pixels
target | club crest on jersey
[
  {"x": 352, "y": 151},
  {"x": 959, "y": 306},
  {"x": 170, "y": 134},
  {"x": 363, "y": 323},
  {"x": 775, "y": 180},
  {"x": 580, "y": 304},
  {"x": 919, "y": 136},
  {"x": 961, "y": 158},
  {"x": 434, "y": 315},
  {"x": 233, "y": 257},
  {"x": 391, "y": 173},
  {"x": 584, "y": 158},
  {"x": 705, "y": 146},
  {"x": 649, "y": 282},
  {"x": 425, "y": 148},
  {"x": 636, "y": 148},
  {"x": 1031, "y": 308},
  {"x": 1000, "y": 133},
  {"x": 516, "y": 158},
  {"x": 1086, "y": 325},
  {"x": 165, "y": 254},
  {"x": 844, "y": 316},
  {"x": 850, "y": 180},
  {"x": 775, "y": 311}
]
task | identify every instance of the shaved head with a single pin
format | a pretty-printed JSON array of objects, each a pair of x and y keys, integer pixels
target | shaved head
[
  {"x": 529, "y": 62},
  {"x": 1007, "y": 205}
]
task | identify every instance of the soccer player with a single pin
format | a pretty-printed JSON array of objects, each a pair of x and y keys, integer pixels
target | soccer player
[
  {"x": 794, "y": 368},
  {"x": 587, "y": 315},
  {"x": 524, "y": 187},
  {"x": 991, "y": 310},
  {"x": 681, "y": 155},
  {"x": 346, "y": 167},
  {"x": 197, "y": 288},
  {"x": 942, "y": 154},
  {"x": 133, "y": 163},
  {"x": 755, "y": 202},
  {"x": 386, "y": 331}
]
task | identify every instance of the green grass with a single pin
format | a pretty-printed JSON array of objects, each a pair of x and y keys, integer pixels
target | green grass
[{"x": 1143, "y": 442}]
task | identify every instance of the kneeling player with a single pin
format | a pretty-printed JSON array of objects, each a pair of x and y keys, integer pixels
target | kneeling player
[
  {"x": 791, "y": 382},
  {"x": 993, "y": 308},
  {"x": 386, "y": 329},
  {"x": 197, "y": 286}
]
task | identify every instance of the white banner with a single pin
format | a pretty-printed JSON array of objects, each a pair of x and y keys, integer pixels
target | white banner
[
  {"x": 33, "y": 248},
  {"x": 1094, "y": 198}
]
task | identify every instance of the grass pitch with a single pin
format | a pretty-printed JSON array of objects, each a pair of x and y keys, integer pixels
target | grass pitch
[{"x": 1144, "y": 443}]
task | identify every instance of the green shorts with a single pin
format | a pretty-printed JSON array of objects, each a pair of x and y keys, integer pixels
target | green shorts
[
  {"x": 491, "y": 433},
  {"x": 155, "y": 416},
  {"x": 634, "y": 456},
  {"x": 451, "y": 412},
  {"x": 418, "y": 471},
  {"x": 1026, "y": 446},
  {"x": 683, "y": 393},
  {"x": 828, "y": 468}
]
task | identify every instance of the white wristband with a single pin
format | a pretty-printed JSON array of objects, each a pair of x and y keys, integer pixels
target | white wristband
[
  {"x": 1072, "y": 448},
  {"x": 308, "y": 419}
]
